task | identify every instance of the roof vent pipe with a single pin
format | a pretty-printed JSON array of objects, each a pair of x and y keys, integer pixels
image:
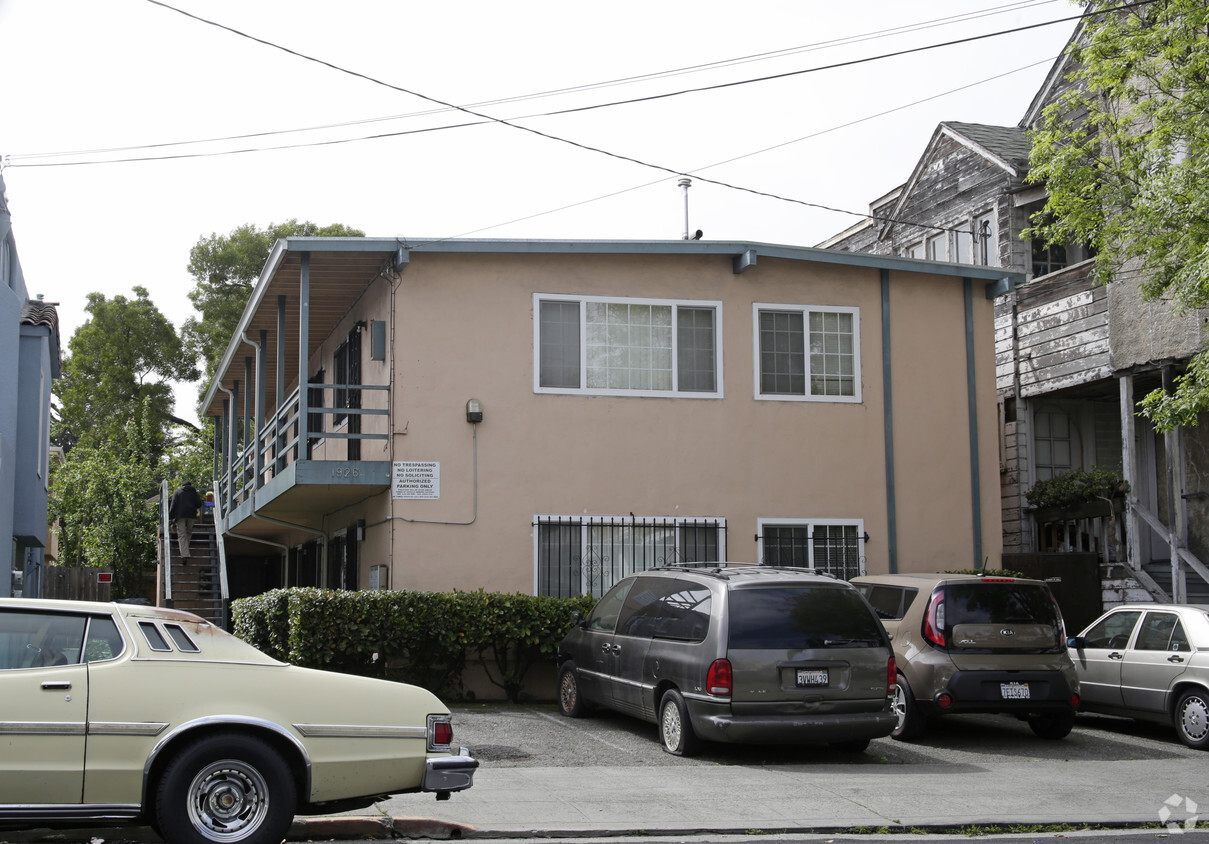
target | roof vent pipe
[{"x": 685, "y": 184}]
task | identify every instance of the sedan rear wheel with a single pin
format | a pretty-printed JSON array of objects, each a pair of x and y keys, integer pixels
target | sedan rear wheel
[
  {"x": 675, "y": 729},
  {"x": 226, "y": 789},
  {"x": 1192, "y": 719}
]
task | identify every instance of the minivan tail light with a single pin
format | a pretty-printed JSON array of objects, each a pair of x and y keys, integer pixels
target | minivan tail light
[
  {"x": 934, "y": 619},
  {"x": 720, "y": 679},
  {"x": 891, "y": 676}
]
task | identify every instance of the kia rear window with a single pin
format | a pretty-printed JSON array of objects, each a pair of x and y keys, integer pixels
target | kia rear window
[
  {"x": 798, "y": 617},
  {"x": 999, "y": 603}
]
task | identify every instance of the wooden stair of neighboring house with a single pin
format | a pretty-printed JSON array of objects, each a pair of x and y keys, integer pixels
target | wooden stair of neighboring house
[
  {"x": 195, "y": 584},
  {"x": 1119, "y": 586},
  {"x": 1198, "y": 589}
]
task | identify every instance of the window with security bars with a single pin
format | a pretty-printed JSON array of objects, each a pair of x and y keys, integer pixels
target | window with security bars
[
  {"x": 824, "y": 546},
  {"x": 586, "y": 555},
  {"x": 805, "y": 353},
  {"x": 627, "y": 346}
]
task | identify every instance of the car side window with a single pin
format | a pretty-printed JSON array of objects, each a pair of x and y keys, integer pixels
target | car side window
[
  {"x": 640, "y": 612},
  {"x": 889, "y": 602},
  {"x": 103, "y": 640},
  {"x": 38, "y": 640},
  {"x": 683, "y": 613},
  {"x": 1157, "y": 632},
  {"x": 603, "y": 618},
  {"x": 1112, "y": 631}
]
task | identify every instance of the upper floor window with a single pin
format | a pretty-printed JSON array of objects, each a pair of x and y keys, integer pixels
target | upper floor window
[
  {"x": 986, "y": 240},
  {"x": 627, "y": 346},
  {"x": 938, "y": 247},
  {"x": 806, "y": 353}
]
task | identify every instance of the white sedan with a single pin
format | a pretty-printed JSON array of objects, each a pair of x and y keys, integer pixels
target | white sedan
[
  {"x": 1148, "y": 661},
  {"x": 123, "y": 713}
]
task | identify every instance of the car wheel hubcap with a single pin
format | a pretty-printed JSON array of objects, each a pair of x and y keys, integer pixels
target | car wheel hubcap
[
  {"x": 671, "y": 726},
  {"x": 568, "y": 691},
  {"x": 900, "y": 705},
  {"x": 1195, "y": 718},
  {"x": 227, "y": 800}
]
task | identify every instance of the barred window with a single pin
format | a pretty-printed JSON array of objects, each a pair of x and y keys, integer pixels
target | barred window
[
  {"x": 586, "y": 555},
  {"x": 833, "y": 547}
]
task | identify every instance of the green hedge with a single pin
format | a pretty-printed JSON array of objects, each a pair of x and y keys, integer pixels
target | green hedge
[{"x": 425, "y": 638}]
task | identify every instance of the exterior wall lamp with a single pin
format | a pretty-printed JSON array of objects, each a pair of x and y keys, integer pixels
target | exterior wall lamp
[{"x": 474, "y": 411}]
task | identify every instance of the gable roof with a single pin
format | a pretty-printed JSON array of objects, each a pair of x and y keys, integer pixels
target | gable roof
[{"x": 1007, "y": 146}]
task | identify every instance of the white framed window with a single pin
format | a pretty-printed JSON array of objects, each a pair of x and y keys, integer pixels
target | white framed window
[
  {"x": 807, "y": 353},
  {"x": 836, "y": 546},
  {"x": 963, "y": 245},
  {"x": 916, "y": 250},
  {"x": 586, "y": 555},
  {"x": 627, "y": 347},
  {"x": 938, "y": 247}
]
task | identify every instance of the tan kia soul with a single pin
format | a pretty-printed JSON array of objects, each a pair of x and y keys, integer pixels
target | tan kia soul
[{"x": 970, "y": 643}]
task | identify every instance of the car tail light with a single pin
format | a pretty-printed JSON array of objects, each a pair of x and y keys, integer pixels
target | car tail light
[
  {"x": 720, "y": 680},
  {"x": 891, "y": 676},
  {"x": 944, "y": 700},
  {"x": 1074, "y": 701},
  {"x": 440, "y": 732},
  {"x": 934, "y": 619}
]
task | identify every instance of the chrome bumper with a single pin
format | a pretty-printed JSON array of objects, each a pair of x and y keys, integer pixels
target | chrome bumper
[{"x": 445, "y": 774}]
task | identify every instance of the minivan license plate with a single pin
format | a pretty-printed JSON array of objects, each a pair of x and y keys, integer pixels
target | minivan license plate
[
  {"x": 1014, "y": 691},
  {"x": 813, "y": 677}
]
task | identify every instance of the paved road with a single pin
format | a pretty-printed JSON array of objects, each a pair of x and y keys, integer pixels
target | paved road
[{"x": 543, "y": 774}]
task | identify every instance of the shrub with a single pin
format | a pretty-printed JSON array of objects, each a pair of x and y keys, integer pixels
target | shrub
[
  {"x": 1073, "y": 488},
  {"x": 424, "y": 638}
]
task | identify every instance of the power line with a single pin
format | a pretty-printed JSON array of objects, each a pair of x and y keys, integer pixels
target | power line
[
  {"x": 853, "y": 39},
  {"x": 15, "y": 160}
]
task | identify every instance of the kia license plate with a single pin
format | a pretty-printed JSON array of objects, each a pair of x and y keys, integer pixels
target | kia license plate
[
  {"x": 1014, "y": 691},
  {"x": 813, "y": 677}
]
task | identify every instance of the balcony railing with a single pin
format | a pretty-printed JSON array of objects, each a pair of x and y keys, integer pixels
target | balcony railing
[{"x": 263, "y": 454}]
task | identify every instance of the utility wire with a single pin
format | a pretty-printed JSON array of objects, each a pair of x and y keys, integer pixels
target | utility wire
[{"x": 853, "y": 39}]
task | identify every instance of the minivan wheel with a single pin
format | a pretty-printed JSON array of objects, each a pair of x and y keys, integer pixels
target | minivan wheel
[
  {"x": 1192, "y": 719},
  {"x": 1053, "y": 726},
  {"x": 675, "y": 729},
  {"x": 910, "y": 721},
  {"x": 570, "y": 701}
]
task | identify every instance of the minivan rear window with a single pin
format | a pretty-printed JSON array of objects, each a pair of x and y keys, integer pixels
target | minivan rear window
[{"x": 796, "y": 617}]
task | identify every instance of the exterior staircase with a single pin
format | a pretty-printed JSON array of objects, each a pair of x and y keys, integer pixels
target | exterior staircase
[
  {"x": 1198, "y": 589},
  {"x": 195, "y": 583}
]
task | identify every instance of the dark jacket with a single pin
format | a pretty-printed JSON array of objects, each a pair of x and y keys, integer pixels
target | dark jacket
[{"x": 185, "y": 502}]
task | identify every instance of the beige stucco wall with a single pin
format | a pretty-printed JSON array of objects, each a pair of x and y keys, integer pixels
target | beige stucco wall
[{"x": 462, "y": 327}]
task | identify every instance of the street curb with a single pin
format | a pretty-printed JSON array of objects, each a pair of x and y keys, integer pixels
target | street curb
[{"x": 375, "y": 828}]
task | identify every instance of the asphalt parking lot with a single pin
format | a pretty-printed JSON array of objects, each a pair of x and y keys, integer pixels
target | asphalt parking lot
[{"x": 536, "y": 735}]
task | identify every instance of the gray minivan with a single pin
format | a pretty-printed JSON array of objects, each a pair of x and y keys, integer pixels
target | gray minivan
[{"x": 734, "y": 654}]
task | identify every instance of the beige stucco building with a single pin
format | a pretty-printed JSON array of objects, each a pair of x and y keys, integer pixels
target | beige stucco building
[{"x": 546, "y": 416}]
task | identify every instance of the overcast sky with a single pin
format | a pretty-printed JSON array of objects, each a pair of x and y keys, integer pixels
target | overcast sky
[{"x": 103, "y": 80}]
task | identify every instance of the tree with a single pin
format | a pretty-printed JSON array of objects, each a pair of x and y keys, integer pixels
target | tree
[
  {"x": 125, "y": 356},
  {"x": 1125, "y": 156},
  {"x": 226, "y": 268},
  {"x": 103, "y": 500}
]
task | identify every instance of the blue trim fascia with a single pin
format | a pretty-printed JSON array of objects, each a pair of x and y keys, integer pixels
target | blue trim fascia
[
  {"x": 972, "y": 411},
  {"x": 888, "y": 427}
]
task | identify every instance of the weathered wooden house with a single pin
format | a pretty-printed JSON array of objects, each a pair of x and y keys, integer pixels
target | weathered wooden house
[{"x": 1073, "y": 358}]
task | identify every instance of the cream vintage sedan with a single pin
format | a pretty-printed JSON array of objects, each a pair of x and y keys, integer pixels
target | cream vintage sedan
[{"x": 123, "y": 713}]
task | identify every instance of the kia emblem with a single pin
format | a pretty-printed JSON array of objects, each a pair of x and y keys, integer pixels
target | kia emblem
[{"x": 1007, "y": 631}]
